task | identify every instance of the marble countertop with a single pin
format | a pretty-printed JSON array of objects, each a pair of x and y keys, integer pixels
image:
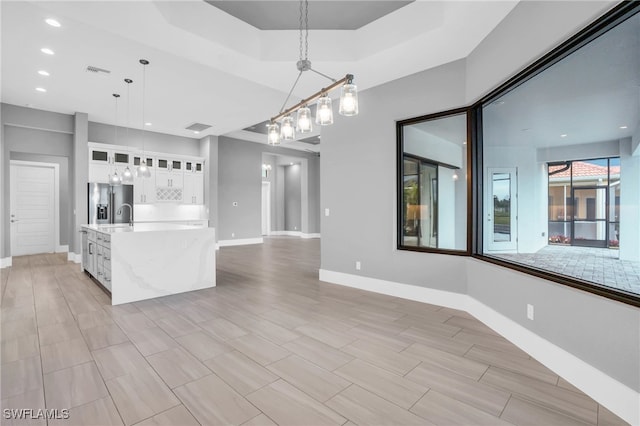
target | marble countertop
[{"x": 140, "y": 227}]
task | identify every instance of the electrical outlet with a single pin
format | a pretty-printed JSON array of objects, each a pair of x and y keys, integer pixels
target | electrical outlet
[
  {"x": 530, "y": 311},
  {"x": 233, "y": 234},
  {"x": 326, "y": 212},
  {"x": 358, "y": 265},
  {"x": 295, "y": 228},
  {"x": 543, "y": 233}
]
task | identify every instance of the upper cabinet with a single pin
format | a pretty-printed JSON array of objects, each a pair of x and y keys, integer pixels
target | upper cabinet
[
  {"x": 193, "y": 182},
  {"x": 144, "y": 189},
  {"x": 174, "y": 178},
  {"x": 169, "y": 180},
  {"x": 104, "y": 160}
]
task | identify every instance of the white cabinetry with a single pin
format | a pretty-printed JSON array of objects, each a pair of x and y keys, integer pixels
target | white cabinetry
[
  {"x": 103, "y": 258},
  {"x": 193, "y": 188},
  {"x": 169, "y": 180},
  {"x": 144, "y": 189},
  {"x": 104, "y": 160},
  {"x": 96, "y": 255},
  {"x": 174, "y": 178}
]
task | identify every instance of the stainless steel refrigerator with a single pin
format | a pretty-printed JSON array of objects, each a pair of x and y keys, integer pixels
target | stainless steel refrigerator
[{"x": 105, "y": 201}]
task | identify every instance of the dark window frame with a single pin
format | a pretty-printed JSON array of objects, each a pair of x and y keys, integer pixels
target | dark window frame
[
  {"x": 600, "y": 26},
  {"x": 400, "y": 178},
  {"x": 474, "y": 172}
]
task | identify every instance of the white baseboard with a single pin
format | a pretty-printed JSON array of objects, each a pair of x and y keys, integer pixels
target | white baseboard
[
  {"x": 240, "y": 242},
  {"x": 316, "y": 235},
  {"x": 74, "y": 257},
  {"x": 62, "y": 249},
  {"x": 390, "y": 288},
  {"x": 294, "y": 234},
  {"x": 5, "y": 262},
  {"x": 607, "y": 391}
]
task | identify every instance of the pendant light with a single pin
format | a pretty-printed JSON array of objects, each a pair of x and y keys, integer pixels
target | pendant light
[
  {"x": 324, "y": 112},
  {"x": 273, "y": 134},
  {"x": 303, "y": 121},
  {"x": 287, "y": 131},
  {"x": 115, "y": 179},
  {"x": 349, "y": 99},
  {"x": 143, "y": 170},
  {"x": 127, "y": 176}
]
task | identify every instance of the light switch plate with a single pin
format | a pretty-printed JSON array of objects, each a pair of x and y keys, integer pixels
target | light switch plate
[{"x": 326, "y": 212}]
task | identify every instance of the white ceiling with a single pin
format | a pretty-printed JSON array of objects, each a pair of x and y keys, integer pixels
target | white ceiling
[{"x": 209, "y": 67}]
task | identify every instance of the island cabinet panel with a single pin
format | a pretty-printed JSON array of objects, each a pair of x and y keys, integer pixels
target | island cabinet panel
[{"x": 150, "y": 260}]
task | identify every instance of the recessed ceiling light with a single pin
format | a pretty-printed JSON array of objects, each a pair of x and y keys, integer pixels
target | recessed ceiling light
[
  {"x": 53, "y": 22},
  {"x": 43, "y": 72},
  {"x": 623, "y": 127},
  {"x": 564, "y": 135},
  {"x": 47, "y": 51},
  {"x": 291, "y": 164},
  {"x": 147, "y": 124},
  {"x": 41, "y": 89},
  {"x": 196, "y": 132}
]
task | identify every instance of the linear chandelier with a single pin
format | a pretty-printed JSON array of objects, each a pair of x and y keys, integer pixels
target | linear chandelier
[{"x": 286, "y": 129}]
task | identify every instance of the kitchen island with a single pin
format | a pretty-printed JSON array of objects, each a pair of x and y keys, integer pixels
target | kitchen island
[{"x": 149, "y": 260}]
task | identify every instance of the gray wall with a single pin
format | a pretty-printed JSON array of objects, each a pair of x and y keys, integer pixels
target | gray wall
[
  {"x": 359, "y": 182},
  {"x": 362, "y": 224},
  {"x": 239, "y": 179},
  {"x": 292, "y": 198},
  {"x": 313, "y": 169},
  {"x": 209, "y": 150},
  {"x": 28, "y": 131},
  {"x": 280, "y": 200},
  {"x": 153, "y": 141},
  {"x": 66, "y": 210},
  {"x": 81, "y": 175}
]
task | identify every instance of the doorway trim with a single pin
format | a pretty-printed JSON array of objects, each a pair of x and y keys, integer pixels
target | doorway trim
[
  {"x": 266, "y": 209},
  {"x": 491, "y": 245},
  {"x": 56, "y": 200}
]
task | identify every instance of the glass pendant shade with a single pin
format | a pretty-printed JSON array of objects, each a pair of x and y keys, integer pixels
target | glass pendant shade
[
  {"x": 114, "y": 179},
  {"x": 287, "y": 131},
  {"x": 142, "y": 171},
  {"x": 127, "y": 176},
  {"x": 304, "y": 122},
  {"x": 273, "y": 134},
  {"x": 349, "y": 100},
  {"x": 324, "y": 112}
]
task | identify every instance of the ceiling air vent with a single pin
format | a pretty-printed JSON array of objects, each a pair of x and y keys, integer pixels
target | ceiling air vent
[
  {"x": 197, "y": 127},
  {"x": 97, "y": 70}
]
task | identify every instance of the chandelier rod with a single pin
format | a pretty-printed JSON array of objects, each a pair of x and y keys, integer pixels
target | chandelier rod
[
  {"x": 291, "y": 91},
  {"x": 346, "y": 79},
  {"x": 323, "y": 75}
]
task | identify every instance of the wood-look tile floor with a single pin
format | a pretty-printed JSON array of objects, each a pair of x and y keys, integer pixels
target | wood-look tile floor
[{"x": 271, "y": 344}]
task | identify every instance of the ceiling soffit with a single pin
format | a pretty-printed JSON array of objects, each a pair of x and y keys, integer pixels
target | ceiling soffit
[{"x": 323, "y": 15}]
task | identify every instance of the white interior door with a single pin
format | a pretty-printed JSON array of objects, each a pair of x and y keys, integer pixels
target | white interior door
[
  {"x": 266, "y": 208},
  {"x": 32, "y": 217},
  {"x": 501, "y": 210}
]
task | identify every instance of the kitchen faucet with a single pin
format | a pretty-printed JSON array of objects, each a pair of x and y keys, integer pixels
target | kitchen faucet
[{"x": 119, "y": 212}]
